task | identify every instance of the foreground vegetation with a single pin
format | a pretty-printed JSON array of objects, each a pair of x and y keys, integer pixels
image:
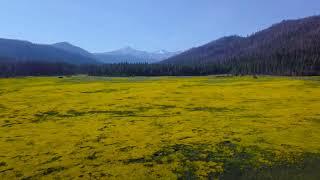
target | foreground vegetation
[{"x": 148, "y": 128}]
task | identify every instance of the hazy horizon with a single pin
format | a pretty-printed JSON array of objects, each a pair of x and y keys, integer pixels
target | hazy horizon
[{"x": 144, "y": 25}]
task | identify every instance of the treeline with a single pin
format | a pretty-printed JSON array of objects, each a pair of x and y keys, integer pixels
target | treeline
[
  {"x": 139, "y": 69},
  {"x": 13, "y": 69},
  {"x": 285, "y": 65},
  {"x": 235, "y": 66}
]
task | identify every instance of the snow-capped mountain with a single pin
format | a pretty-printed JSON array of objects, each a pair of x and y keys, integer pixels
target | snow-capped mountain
[
  {"x": 161, "y": 52},
  {"x": 131, "y": 55}
]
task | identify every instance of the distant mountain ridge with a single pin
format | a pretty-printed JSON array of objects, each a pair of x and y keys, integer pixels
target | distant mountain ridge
[
  {"x": 17, "y": 50},
  {"x": 131, "y": 55}
]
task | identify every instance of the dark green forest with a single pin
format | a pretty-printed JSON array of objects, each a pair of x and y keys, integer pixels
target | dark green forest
[{"x": 282, "y": 66}]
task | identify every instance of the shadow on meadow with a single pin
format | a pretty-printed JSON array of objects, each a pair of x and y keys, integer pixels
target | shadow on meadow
[
  {"x": 231, "y": 161},
  {"x": 140, "y": 111}
]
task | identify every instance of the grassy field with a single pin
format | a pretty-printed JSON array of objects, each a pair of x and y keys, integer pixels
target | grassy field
[{"x": 161, "y": 127}]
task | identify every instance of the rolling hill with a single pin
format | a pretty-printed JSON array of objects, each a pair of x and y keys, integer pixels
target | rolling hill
[
  {"x": 66, "y": 46},
  {"x": 22, "y": 51}
]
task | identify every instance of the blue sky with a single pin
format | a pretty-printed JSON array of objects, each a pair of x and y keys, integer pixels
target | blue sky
[{"x": 103, "y": 25}]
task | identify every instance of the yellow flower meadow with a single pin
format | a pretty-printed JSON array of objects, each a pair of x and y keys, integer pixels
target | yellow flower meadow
[{"x": 158, "y": 127}]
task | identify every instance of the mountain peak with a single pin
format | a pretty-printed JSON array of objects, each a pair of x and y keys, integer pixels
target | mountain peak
[
  {"x": 127, "y": 48},
  {"x": 66, "y": 46},
  {"x": 162, "y": 51},
  {"x": 64, "y": 43},
  {"x": 131, "y": 55}
]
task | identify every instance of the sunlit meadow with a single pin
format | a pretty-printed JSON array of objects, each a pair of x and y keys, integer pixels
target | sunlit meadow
[{"x": 160, "y": 127}]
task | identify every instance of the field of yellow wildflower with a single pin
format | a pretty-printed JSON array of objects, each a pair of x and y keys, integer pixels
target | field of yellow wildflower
[{"x": 160, "y": 127}]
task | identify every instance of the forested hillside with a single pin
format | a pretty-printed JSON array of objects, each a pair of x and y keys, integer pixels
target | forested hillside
[{"x": 291, "y": 47}]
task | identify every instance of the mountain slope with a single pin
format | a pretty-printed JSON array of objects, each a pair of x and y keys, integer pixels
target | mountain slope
[
  {"x": 284, "y": 45},
  {"x": 214, "y": 50},
  {"x": 73, "y": 49},
  {"x": 131, "y": 55},
  {"x": 26, "y": 51}
]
